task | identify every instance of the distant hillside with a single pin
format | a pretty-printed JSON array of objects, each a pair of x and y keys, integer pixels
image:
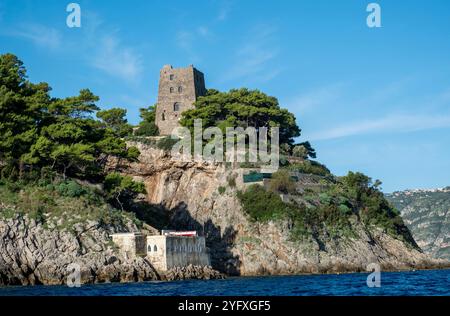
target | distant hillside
[{"x": 427, "y": 214}]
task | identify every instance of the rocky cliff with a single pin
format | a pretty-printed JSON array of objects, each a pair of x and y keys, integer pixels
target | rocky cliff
[
  {"x": 201, "y": 196},
  {"x": 48, "y": 230},
  {"x": 427, "y": 214},
  {"x": 45, "y": 230},
  {"x": 32, "y": 253}
]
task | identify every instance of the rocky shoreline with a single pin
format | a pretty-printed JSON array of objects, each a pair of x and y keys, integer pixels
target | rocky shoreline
[
  {"x": 191, "y": 273},
  {"x": 31, "y": 254}
]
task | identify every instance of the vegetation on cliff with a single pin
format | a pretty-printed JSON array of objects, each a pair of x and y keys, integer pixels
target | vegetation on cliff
[
  {"x": 330, "y": 210},
  {"x": 147, "y": 127},
  {"x": 60, "y": 204},
  {"x": 242, "y": 108},
  {"x": 44, "y": 137}
]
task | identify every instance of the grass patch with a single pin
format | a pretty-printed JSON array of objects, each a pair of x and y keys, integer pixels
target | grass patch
[{"x": 61, "y": 204}]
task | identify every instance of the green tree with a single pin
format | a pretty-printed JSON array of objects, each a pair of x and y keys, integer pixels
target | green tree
[
  {"x": 300, "y": 152},
  {"x": 40, "y": 131},
  {"x": 242, "y": 108},
  {"x": 81, "y": 106},
  {"x": 115, "y": 119},
  {"x": 21, "y": 109},
  {"x": 285, "y": 149},
  {"x": 121, "y": 189},
  {"x": 77, "y": 156},
  {"x": 147, "y": 126},
  {"x": 281, "y": 181},
  {"x": 303, "y": 151}
]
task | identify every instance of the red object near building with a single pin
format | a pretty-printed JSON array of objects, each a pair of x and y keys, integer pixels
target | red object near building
[{"x": 185, "y": 233}]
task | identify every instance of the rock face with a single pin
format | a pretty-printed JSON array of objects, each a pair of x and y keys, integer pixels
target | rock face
[
  {"x": 427, "y": 215},
  {"x": 189, "y": 193},
  {"x": 192, "y": 272},
  {"x": 33, "y": 254}
]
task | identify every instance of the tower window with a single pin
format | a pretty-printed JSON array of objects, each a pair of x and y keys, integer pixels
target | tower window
[
  {"x": 163, "y": 117},
  {"x": 176, "y": 107},
  {"x": 180, "y": 89},
  {"x": 155, "y": 248},
  {"x": 171, "y": 77},
  {"x": 171, "y": 89}
]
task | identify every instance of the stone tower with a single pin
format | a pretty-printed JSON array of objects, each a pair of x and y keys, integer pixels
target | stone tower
[{"x": 178, "y": 89}]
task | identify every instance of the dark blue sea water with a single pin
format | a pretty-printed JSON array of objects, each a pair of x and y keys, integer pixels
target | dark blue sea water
[{"x": 433, "y": 282}]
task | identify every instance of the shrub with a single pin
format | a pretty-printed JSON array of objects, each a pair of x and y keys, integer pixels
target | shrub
[
  {"x": 166, "y": 143},
  {"x": 325, "y": 198},
  {"x": 300, "y": 151},
  {"x": 281, "y": 181},
  {"x": 147, "y": 129},
  {"x": 310, "y": 167},
  {"x": 122, "y": 189},
  {"x": 231, "y": 179},
  {"x": 344, "y": 209},
  {"x": 13, "y": 186},
  {"x": 70, "y": 188},
  {"x": 262, "y": 205},
  {"x": 221, "y": 190},
  {"x": 38, "y": 214}
]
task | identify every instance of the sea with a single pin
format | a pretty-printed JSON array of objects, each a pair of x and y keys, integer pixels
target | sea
[{"x": 415, "y": 283}]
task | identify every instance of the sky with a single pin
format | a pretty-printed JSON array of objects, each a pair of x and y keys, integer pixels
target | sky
[{"x": 375, "y": 100}]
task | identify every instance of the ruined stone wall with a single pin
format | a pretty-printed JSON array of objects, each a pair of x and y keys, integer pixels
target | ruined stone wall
[
  {"x": 130, "y": 244},
  {"x": 178, "y": 90}
]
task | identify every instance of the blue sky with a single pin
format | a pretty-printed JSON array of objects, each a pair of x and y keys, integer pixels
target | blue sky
[{"x": 375, "y": 100}]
